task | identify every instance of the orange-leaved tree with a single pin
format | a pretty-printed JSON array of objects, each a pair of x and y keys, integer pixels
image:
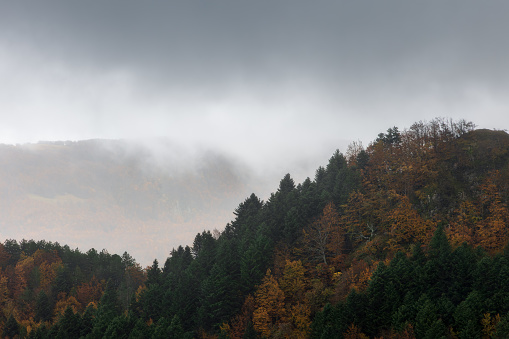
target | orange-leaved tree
[
  {"x": 492, "y": 232},
  {"x": 90, "y": 292},
  {"x": 483, "y": 221},
  {"x": 269, "y": 306},
  {"x": 325, "y": 237},
  {"x": 407, "y": 226}
]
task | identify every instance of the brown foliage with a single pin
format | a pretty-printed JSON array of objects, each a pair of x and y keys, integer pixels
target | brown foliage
[
  {"x": 356, "y": 277},
  {"x": 65, "y": 301},
  {"x": 482, "y": 222},
  {"x": 240, "y": 321},
  {"x": 407, "y": 226},
  {"x": 89, "y": 292},
  {"x": 48, "y": 272},
  {"x": 354, "y": 332},
  {"x": 325, "y": 237},
  {"x": 23, "y": 268}
]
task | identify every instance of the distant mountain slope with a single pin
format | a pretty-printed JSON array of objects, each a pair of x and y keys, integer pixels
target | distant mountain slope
[{"x": 119, "y": 195}]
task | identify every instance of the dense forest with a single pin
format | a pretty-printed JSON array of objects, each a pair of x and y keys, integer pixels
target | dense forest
[{"x": 405, "y": 238}]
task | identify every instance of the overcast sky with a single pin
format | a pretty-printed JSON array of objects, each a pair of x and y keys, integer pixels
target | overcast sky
[{"x": 273, "y": 80}]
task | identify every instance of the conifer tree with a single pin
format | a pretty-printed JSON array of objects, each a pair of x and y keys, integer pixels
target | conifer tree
[
  {"x": 43, "y": 311},
  {"x": 11, "y": 328}
]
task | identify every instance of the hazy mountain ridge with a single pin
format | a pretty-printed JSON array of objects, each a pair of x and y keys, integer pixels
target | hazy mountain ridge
[{"x": 101, "y": 192}]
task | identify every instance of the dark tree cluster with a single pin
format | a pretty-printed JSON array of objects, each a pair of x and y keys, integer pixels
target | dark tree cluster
[{"x": 443, "y": 293}]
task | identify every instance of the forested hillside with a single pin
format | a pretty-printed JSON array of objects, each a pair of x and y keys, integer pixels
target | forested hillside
[{"x": 406, "y": 238}]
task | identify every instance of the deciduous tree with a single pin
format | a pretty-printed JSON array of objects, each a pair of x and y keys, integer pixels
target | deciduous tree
[{"x": 269, "y": 306}]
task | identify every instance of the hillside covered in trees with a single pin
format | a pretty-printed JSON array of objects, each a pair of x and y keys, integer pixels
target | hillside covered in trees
[{"x": 406, "y": 238}]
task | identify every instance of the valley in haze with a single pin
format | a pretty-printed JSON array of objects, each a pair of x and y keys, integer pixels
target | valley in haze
[{"x": 141, "y": 197}]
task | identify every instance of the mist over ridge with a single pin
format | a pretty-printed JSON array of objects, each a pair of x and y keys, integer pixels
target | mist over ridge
[{"x": 140, "y": 196}]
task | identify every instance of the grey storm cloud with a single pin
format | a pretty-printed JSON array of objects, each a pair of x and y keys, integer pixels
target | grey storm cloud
[
  {"x": 207, "y": 42},
  {"x": 279, "y": 72}
]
